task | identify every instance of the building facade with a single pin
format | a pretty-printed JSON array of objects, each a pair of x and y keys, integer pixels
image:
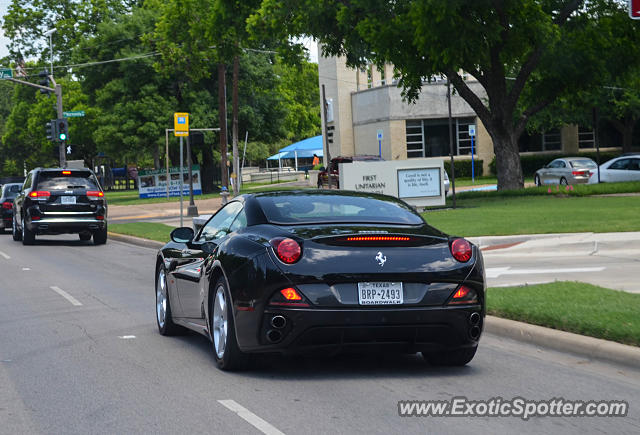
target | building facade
[{"x": 364, "y": 105}]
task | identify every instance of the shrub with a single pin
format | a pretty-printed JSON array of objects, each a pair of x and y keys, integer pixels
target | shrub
[{"x": 463, "y": 168}]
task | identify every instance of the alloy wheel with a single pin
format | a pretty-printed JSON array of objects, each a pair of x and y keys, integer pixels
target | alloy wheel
[
  {"x": 220, "y": 322},
  {"x": 161, "y": 298}
]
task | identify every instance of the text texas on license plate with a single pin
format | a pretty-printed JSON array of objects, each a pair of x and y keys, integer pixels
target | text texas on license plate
[
  {"x": 68, "y": 199},
  {"x": 380, "y": 293}
]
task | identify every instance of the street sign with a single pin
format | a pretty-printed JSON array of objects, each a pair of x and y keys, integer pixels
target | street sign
[
  {"x": 472, "y": 130},
  {"x": 181, "y": 124},
  {"x": 6, "y": 73},
  {"x": 380, "y": 134},
  {"x": 73, "y": 114},
  {"x": 634, "y": 9}
]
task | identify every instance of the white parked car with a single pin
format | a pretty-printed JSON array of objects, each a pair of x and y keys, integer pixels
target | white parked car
[{"x": 623, "y": 168}]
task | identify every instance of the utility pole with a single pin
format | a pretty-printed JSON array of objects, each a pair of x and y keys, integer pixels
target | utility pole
[
  {"x": 234, "y": 125},
  {"x": 326, "y": 136},
  {"x": 453, "y": 168}
]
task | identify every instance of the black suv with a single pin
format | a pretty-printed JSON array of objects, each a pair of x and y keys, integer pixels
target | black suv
[{"x": 58, "y": 201}]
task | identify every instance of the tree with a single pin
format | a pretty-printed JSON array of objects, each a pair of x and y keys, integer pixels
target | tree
[{"x": 524, "y": 53}]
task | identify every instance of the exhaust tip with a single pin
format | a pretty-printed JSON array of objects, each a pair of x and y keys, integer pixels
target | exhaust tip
[
  {"x": 474, "y": 332},
  {"x": 278, "y": 322},
  {"x": 274, "y": 336},
  {"x": 474, "y": 318}
]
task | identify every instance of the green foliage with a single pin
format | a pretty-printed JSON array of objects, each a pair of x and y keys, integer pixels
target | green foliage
[{"x": 463, "y": 167}]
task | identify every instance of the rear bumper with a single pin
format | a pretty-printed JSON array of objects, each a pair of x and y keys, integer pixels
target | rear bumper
[
  {"x": 409, "y": 329},
  {"x": 60, "y": 225}
]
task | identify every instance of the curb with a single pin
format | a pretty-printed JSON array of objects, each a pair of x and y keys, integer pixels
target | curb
[
  {"x": 589, "y": 347},
  {"x": 138, "y": 241}
]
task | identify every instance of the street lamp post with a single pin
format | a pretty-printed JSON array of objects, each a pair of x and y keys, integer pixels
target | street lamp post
[{"x": 49, "y": 33}]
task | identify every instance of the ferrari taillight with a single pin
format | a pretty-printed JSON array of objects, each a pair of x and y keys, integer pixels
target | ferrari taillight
[
  {"x": 464, "y": 295},
  {"x": 288, "y": 297},
  {"x": 461, "y": 250},
  {"x": 378, "y": 239},
  {"x": 287, "y": 250}
]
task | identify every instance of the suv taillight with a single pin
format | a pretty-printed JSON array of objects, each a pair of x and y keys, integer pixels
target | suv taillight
[
  {"x": 40, "y": 194},
  {"x": 7, "y": 205},
  {"x": 95, "y": 193}
]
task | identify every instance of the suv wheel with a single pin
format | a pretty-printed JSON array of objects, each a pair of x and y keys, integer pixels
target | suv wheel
[
  {"x": 100, "y": 236},
  {"x": 17, "y": 236},
  {"x": 28, "y": 236}
]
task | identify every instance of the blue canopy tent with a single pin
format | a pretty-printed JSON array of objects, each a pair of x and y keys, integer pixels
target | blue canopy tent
[{"x": 304, "y": 149}]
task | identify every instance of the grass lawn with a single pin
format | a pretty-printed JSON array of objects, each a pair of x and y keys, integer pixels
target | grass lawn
[
  {"x": 146, "y": 230},
  {"x": 571, "y": 306},
  {"x": 488, "y": 216}
]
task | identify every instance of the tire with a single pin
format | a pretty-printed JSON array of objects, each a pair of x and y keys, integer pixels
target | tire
[
  {"x": 84, "y": 236},
  {"x": 163, "y": 306},
  {"x": 319, "y": 184},
  {"x": 28, "y": 236},
  {"x": 17, "y": 236},
  {"x": 100, "y": 237},
  {"x": 536, "y": 180},
  {"x": 454, "y": 358},
  {"x": 223, "y": 331},
  {"x": 563, "y": 181}
]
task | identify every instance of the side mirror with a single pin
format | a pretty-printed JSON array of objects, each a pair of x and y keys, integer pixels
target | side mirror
[
  {"x": 322, "y": 168},
  {"x": 182, "y": 235}
]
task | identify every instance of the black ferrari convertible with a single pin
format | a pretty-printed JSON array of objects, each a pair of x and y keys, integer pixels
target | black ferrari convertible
[{"x": 303, "y": 271}]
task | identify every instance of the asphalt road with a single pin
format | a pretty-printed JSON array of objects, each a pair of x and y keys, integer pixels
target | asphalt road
[
  {"x": 610, "y": 260},
  {"x": 80, "y": 353}
]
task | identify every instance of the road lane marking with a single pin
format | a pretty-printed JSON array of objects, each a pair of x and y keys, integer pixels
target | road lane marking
[
  {"x": 6, "y": 257},
  {"x": 127, "y": 337},
  {"x": 250, "y": 417},
  {"x": 495, "y": 272},
  {"x": 26, "y": 268},
  {"x": 66, "y": 295}
]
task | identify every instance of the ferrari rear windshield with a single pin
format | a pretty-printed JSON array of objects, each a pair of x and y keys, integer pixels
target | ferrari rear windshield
[
  {"x": 58, "y": 180},
  {"x": 321, "y": 208}
]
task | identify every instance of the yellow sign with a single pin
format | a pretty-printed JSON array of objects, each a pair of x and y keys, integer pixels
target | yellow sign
[{"x": 181, "y": 124}]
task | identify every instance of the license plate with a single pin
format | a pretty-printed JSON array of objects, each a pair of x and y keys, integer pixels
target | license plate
[
  {"x": 380, "y": 293},
  {"x": 68, "y": 199}
]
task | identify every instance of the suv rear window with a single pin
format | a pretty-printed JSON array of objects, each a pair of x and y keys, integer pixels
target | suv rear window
[
  {"x": 322, "y": 208},
  {"x": 57, "y": 180}
]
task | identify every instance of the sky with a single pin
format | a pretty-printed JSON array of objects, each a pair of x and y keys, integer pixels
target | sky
[{"x": 3, "y": 41}]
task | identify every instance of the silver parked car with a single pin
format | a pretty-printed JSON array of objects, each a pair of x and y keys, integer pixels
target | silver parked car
[
  {"x": 567, "y": 170},
  {"x": 623, "y": 168}
]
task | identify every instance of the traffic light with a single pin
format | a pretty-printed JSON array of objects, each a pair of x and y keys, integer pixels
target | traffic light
[
  {"x": 44, "y": 82},
  {"x": 50, "y": 128},
  {"x": 330, "y": 129},
  {"x": 63, "y": 128}
]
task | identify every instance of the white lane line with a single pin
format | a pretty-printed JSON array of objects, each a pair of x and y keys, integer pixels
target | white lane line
[
  {"x": 250, "y": 417},
  {"x": 127, "y": 337},
  {"x": 26, "y": 268},
  {"x": 6, "y": 257},
  {"x": 494, "y": 272},
  {"x": 66, "y": 295}
]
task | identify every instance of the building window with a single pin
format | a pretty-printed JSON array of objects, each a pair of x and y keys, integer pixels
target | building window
[
  {"x": 551, "y": 140},
  {"x": 586, "y": 139},
  {"x": 369, "y": 77},
  {"x": 430, "y": 137},
  {"x": 415, "y": 139},
  {"x": 382, "y": 77}
]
